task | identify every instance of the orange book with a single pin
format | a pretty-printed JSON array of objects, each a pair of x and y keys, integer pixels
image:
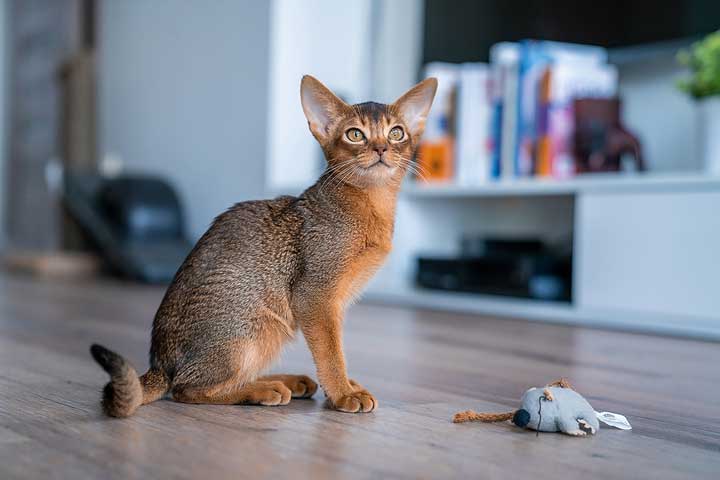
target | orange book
[
  {"x": 436, "y": 156},
  {"x": 435, "y": 160},
  {"x": 544, "y": 155}
]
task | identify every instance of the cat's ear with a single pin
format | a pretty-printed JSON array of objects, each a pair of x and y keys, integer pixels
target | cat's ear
[
  {"x": 320, "y": 105},
  {"x": 415, "y": 104}
]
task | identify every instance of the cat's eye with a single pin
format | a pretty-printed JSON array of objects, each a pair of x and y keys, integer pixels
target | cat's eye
[
  {"x": 355, "y": 135},
  {"x": 396, "y": 134}
]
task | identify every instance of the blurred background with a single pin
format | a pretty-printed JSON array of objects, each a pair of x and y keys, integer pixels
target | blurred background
[{"x": 570, "y": 167}]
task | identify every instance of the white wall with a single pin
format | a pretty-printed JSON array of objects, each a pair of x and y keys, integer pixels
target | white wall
[
  {"x": 363, "y": 50},
  {"x": 397, "y": 54},
  {"x": 664, "y": 118},
  {"x": 184, "y": 89},
  {"x": 183, "y": 93},
  {"x": 329, "y": 40}
]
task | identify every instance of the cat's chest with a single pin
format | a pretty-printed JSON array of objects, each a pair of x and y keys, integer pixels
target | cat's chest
[
  {"x": 342, "y": 252},
  {"x": 364, "y": 254},
  {"x": 352, "y": 274}
]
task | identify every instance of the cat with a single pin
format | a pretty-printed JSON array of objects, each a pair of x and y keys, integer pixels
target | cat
[{"x": 266, "y": 269}]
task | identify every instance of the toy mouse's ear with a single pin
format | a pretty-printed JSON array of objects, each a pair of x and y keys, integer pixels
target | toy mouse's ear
[
  {"x": 547, "y": 394},
  {"x": 521, "y": 418}
]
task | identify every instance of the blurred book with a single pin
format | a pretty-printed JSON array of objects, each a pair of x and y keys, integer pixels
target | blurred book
[
  {"x": 514, "y": 117},
  {"x": 535, "y": 59},
  {"x": 534, "y": 85},
  {"x": 436, "y": 153},
  {"x": 473, "y": 143},
  {"x": 561, "y": 84},
  {"x": 504, "y": 59}
]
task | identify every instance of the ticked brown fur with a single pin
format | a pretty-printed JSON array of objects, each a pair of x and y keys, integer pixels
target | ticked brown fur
[{"x": 266, "y": 269}]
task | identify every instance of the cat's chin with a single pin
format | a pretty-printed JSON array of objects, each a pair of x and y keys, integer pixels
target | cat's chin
[{"x": 377, "y": 174}]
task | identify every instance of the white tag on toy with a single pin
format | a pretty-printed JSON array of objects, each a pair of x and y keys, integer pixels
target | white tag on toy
[{"x": 614, "y": 420}]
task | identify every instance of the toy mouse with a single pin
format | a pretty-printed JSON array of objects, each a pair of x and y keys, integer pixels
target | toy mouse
[{"x": 555, "y": 408}]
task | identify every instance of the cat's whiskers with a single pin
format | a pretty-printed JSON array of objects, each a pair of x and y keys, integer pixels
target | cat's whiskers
[
  {"x": 418, "y": 171},
  {"x": 345, "y": 173},
  {"x": 334, "y": 171},
  {"x": 340, "y": 177},
  {"x": 414, "y": 168}
]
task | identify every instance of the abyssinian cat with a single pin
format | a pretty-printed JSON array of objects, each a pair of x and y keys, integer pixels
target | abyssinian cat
[{"x": 265, "y": 269}]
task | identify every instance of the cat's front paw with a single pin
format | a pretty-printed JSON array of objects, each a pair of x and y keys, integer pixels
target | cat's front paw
[{"x": 358, "y": 401}]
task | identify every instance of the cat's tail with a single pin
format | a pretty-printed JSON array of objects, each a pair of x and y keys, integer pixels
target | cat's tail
[{"x": 126, "y": 391}]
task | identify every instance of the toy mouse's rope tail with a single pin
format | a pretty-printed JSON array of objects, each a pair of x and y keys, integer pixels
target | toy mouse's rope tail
[{"x": 471, "y": 416}]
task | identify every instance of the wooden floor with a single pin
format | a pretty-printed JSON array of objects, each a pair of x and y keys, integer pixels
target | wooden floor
[{"x": 422, "y": 366}]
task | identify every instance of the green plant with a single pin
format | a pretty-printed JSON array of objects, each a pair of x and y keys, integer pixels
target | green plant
[{"x": 703, "y": 60}]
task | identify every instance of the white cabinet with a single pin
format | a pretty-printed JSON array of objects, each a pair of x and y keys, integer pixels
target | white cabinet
[
  {"x": 653, "y": 252},
  {"x": 646, "y": 248}
]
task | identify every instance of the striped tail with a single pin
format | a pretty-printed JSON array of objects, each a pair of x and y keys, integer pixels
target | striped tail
[{"x": 126, "y": 391}]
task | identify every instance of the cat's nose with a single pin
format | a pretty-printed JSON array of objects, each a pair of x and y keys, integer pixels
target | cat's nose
[{"x": 380, "y": 149}]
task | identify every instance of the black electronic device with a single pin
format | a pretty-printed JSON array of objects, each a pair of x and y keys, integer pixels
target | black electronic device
[
  {"x": 519, "y": 268},
  {"x": 135, "y": 222}
]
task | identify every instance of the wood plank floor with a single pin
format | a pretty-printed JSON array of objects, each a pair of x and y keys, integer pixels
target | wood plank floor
[{"x": 422, "y": 366}]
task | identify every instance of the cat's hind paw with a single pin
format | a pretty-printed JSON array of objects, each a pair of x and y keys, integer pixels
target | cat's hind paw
[{"x": 301, "y": 386}]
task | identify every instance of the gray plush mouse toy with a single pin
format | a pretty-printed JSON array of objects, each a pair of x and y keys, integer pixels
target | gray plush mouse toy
[{"x": 555, "y": 408}]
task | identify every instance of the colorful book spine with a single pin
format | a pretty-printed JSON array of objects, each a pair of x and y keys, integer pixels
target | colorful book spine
[
  {"x": 496, "y": 137},
  {"x": 533, "y": 146},
  {"x": 504, "y": 58},
  {"x": 530, "y": 67},
  {"x": 543, "y": 165},
  {"x": 512, "y": 118}
]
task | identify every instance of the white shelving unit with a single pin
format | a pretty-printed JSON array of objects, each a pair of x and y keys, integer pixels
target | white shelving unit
[
  {"x": 646, "y": 248},
  {"x": 550, "y": 312},
  {"x": 607, "y": 183}
]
